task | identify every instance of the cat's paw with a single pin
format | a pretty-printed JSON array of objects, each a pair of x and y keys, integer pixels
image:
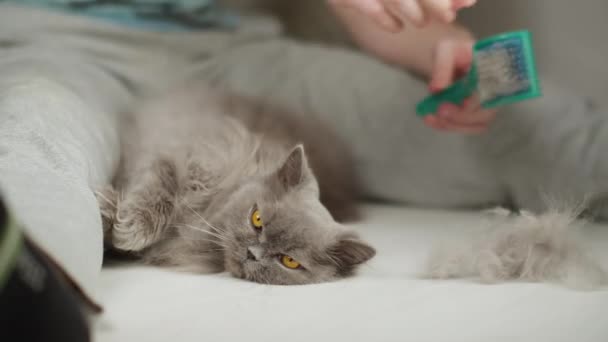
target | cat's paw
[{"x": 139, "y": 225}]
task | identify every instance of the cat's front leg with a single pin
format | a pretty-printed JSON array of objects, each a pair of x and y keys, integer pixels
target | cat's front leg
[{"x": 146, "y": 208}]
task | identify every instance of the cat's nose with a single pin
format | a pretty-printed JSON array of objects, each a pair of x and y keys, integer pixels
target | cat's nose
[
  {"x": 254, "y": 253},
  {"x": 250, "y": 255}
]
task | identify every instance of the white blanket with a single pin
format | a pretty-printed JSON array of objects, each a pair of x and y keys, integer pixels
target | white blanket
[{"x": 386, "y": 302}]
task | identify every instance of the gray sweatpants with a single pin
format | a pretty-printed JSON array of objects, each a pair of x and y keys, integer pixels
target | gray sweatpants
[{"x": 551, "y": 146}]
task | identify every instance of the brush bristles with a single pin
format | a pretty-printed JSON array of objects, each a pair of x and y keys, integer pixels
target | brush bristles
[{"x": 498, "y": 73}]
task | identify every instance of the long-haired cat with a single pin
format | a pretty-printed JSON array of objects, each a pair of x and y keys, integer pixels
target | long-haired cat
[{"x": 212, "y": 182}]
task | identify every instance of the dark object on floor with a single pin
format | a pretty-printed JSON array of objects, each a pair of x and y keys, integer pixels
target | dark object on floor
[{"x": 36, "y": 302}]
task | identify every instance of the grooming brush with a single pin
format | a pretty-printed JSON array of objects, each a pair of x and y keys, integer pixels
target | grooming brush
[{"x": 503, "y": 72}]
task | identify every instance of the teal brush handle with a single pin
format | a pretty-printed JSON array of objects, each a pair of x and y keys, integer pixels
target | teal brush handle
[{"x": 455, "y": 94}]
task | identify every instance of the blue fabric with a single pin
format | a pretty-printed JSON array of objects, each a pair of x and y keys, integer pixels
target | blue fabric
[{"x": 162, "y": 15}]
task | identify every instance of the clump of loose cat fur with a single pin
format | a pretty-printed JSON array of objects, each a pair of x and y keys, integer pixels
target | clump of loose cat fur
[
  {"x": 525, "y": 247},
  {"x": 197, "y": 165}
]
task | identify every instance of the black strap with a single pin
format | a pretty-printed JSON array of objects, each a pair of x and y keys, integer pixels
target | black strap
[
  {"x": 36, "y": 303},
  {"x": 3, "y": 216}
]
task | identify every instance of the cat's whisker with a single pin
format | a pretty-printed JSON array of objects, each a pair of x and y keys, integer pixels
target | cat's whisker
[
  {"x": 333, "y": 260},
  {"x": 216, "y": 235},
  {"x": 202, "y": 218},
  {"x": 199, "y": 229},
  {"x": 215, "y": 242},
  {"x": 105, "y": 198},
  {"x": 220, "y": 242}
]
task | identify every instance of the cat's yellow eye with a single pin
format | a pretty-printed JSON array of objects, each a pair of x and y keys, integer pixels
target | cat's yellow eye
[
  {"x": 289, "y": 262},
  {"x": 256, "y": 220}
]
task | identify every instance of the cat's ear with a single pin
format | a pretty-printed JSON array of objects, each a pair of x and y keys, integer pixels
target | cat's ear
[
  {"x": 348, "y": 252},
  {"x": 294, "y": 171}
]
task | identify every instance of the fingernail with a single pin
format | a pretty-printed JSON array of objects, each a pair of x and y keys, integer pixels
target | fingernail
[
  {"x": 434, "y": 89},
  {"x": 460, "y": 4}
]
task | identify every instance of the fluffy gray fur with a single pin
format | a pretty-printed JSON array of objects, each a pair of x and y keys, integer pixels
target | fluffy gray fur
[
  {"x": 195, "y": 166},
  {"x": 523, "y": 246}
]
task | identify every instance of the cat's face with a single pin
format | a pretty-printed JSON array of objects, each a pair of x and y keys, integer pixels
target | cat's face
[{"x": 275, "y": 230}]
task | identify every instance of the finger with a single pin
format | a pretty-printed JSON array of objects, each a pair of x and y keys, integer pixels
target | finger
[
  {"x": 443, "y": 69},
  {"x": 434, "y": 122},
  {"x": 374, "y": 10},
  {"x": 446, "y": 126},
  {"x": 447, "y": 110},
  {"x": 471, "y": 104},
  {"x": 379, "y": 14},
  {"x": 474, "y": 112},
  {"x": 470, "y": 114},
  {"x": 407, "y": 10},
  {"x": 451, "y": 58},
  {"x": 439, "y": 9},
  {"x": 460, "y": 128},
  {"x": 479, "y": 117},
  {"x": 460, "y": 4},
  {"x": 463, "y": 56}
]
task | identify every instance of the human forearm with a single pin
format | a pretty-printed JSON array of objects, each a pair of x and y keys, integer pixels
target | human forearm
[
  {"x": 412, "y": 48},
  {"x": 420, "y": 36}
]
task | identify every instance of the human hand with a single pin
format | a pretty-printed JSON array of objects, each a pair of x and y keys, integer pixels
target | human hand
[
  {"x": 453, "y": 60},
  {"x": 393, "y": 15}
]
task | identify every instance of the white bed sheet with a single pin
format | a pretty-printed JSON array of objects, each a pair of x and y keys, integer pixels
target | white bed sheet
[{"x": 386, "y": 302}]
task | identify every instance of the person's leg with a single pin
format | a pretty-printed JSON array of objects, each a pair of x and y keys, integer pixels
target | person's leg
[
  {"x": 547, "y": 147},
  {"x": 551, "y": 151}
]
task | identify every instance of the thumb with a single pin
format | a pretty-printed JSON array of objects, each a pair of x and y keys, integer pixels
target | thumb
[{"x": 451, "y": 59}]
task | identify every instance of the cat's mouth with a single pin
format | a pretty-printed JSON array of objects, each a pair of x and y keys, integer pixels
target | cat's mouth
[
  {"x": 241, "y": 267},
  {"x": 247, "y": 269},
  {"x": 249, "y": 265}
]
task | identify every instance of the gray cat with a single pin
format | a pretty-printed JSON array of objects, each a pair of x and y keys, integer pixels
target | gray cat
[{"x": 212, "y": 182}]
